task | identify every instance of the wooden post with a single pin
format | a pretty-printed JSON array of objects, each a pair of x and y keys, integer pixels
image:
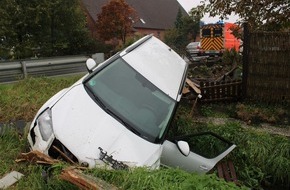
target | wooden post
[{"x": 246, "y": 49}]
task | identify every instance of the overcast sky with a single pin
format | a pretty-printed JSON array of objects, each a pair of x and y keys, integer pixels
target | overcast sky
[{"x": 188, "y": 4}]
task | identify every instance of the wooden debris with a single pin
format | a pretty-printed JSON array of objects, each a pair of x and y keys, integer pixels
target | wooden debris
[
  {"x": 228, "y": 75},
  {"x": 63, "y": 155},
  {"x": 227, "y": 171},
  {"x": 197, "y": 90},
  {"x": 193, "y": 86},
  {"x": 84, "y": 181},
  {"x": 185, "y": 90},
  {"x": 36, "y": 157},
  {"x": 193, "y": 106}
]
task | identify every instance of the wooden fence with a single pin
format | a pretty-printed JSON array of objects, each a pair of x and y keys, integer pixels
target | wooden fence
[
  {"x": 221, "y": 91},
  {"x": 266, "y": 66},
  {"x": 213, "y": 91}
]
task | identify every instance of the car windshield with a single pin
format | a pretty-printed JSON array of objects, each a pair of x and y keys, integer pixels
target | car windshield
[{"x": 133, "y": 99}]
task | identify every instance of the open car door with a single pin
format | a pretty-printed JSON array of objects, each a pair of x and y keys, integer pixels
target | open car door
[{"x": 206, "y": 150}]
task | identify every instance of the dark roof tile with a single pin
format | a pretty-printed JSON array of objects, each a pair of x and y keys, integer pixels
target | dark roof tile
[{"x": 156, "y": 14}]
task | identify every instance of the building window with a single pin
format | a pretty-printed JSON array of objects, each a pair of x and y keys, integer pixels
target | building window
[{"x": 142, "y": 21}]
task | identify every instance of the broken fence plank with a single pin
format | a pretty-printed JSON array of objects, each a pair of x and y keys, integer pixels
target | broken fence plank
[
  {"x": 233, "y": 171},
  {"x": 36, "y": 157},
  {"x": 84, "y": 181},
  {"x": 193, "y": 86},
  {"x": 185, "y": 90},
  {"x": 227, "y": 171},
  {"x": 63, "y": 154}
]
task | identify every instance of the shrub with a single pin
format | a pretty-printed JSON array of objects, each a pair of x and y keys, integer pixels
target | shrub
[{"x": 231, "y": 56}]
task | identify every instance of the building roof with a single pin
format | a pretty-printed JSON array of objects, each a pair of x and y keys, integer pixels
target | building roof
[{"x": 153, "y": 14}]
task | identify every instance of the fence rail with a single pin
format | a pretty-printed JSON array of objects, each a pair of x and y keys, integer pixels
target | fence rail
[
  {"x": 221, "y": 91},
  {"x": 16, "y": 70},
  {"x": 213, "y": 91}
]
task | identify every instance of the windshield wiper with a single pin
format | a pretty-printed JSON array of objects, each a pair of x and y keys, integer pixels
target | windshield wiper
[
  {"x": 99, "y": 101},
  {"x": 128, "y": 126}
]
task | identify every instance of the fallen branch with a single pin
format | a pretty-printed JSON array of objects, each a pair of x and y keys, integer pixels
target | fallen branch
[
  {"x": 36, "y": 157},
  {"x": 63, "y": 154},
  {"x": 84, "y": 181}
]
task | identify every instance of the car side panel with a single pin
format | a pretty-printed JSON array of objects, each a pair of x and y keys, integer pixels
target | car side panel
[{"x": 172, "y": 157}]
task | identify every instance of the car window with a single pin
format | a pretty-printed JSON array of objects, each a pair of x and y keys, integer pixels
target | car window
[
  {"x": 133, "y": 98},
  {"x": 208, "y": 145},
  {"x": 217, "y": 32},
  {"x": 206, "y": 33},
  {"x": 193, "y": 45}
]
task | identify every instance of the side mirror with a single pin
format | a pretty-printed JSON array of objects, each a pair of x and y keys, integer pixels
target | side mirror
[
  {"x": 183, "y": 147},
  {"x": 90, "y": 63}
]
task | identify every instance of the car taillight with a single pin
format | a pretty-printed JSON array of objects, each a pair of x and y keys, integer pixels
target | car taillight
[{"x": 199, "y": 48}]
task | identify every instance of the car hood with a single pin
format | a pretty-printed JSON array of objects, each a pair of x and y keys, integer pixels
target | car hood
[{"x": 83, "y": 127}]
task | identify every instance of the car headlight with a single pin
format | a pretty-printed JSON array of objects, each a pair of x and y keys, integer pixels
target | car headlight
[{"x": 45, "y": 124}]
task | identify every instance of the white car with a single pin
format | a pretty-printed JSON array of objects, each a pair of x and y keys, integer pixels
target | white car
[
  {"x": 118, "y": 114},
  {"x": 194, "y": 49}
]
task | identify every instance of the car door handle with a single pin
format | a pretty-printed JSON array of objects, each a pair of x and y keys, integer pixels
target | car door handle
[{"x": 203, "y": 167}]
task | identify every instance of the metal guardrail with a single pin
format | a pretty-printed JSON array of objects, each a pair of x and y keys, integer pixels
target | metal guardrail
[{"x": 11, "y": 71}]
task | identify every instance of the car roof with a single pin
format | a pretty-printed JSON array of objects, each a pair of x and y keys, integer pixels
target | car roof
[
  {"x": 158, "y": 63},
  {"x": 193, "y": 44}
]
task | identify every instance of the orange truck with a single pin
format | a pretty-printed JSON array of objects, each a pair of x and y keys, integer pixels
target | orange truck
[{"x": 216, "y": 38}]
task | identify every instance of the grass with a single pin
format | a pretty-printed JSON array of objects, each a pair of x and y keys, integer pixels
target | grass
[
  {"x": 142, "y": 178},
  {"x": 11, "y": 146},
  {"x": 47, "y": 177},
  {"x": 22, "y": 100},
  {"x": 259, "y": 157},
  {"x": 249, "y": 111}
]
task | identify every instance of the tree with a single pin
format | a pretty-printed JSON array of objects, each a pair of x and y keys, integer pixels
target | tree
[
  {"x": 62, "y": 27},
  {"x": 266, "y": 14},
  {"x": 185, "y": 30},
  {"x": 116, "y": 20},
  {"x": 178, "y": 22},
  {"x": 195, "y": 15},
  {"x": 50, "y": 27},
  {"x": 15, "y": 29}
]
